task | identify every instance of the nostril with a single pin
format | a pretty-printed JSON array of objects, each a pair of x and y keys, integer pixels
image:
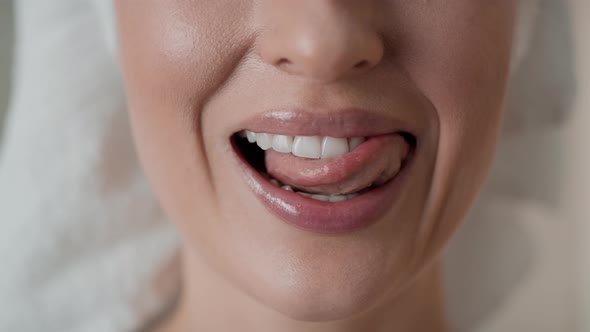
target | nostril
[
  {"x": 285, "y": 65},
  {"x": 362, "y": 64},
  {"x": 283, "y": 62}
]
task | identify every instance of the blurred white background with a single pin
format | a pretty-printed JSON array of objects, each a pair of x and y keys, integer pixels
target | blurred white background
[
  {"x": 576, "y": 195},
  {"x": 5, "y": 53},
  {"x": 565, "y": 238}
]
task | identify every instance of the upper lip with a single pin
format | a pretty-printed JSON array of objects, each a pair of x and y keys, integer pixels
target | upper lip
[{"x": 350, "y": 122}]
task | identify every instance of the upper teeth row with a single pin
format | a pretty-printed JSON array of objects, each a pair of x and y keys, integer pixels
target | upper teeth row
[{"x": 313, "y": 147}]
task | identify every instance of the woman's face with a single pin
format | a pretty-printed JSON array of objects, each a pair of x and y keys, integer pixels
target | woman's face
[{"x": 418, "y": 84}]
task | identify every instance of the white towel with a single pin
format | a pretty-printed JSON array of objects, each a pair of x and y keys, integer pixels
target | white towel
[
  {"x": 81, "y": 237},
  {"x": 82, "y": 240}
]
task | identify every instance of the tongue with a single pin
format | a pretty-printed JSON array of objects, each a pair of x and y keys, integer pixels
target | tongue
[{"x": 374, "y": 162}]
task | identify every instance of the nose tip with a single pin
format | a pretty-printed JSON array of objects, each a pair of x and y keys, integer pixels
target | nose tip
[
  {"x": 326, "y": 60},
  {"x": 324, "y": 49}
]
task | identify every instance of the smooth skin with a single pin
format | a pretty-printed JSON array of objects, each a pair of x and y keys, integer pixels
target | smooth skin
[{"x": 196, "y": 69}]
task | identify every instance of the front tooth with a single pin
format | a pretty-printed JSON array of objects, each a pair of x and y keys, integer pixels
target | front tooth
[
  {"x": 304, "y": 194},
  {"x": 264, "y": 141},
  {"x": 322, "y": 198},
  {"x": 251, "y": 136},
  {"x": 356, "y": 141},
  {"x": 287, "y": 188},
  {"x": 338, "y": 198},
  {"x": 307, "y": 147},
  {"x": 334, "y": 147},
  {"x": 282, "y": 143}
]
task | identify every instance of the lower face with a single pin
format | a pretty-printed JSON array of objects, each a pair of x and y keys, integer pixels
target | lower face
[{"x": 317, "y": 197}]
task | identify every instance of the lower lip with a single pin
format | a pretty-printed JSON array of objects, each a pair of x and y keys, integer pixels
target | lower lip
[{"x": 325, "y": 217}]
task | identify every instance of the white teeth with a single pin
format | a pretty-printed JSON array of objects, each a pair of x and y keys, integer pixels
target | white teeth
[
  {"x": 287, "y": 188},
  {"x": 312, "y": 147},
  {"x": 282, "y": 143},
  {"x": 322, "y": 198},
  {"x": 334, "y": 147},
  {"x": 338, "y": 198},
  {"x": 264, "y": 141},
  {"x": 328, "y": 198},
  {"x": 307, "y": 147},
  {"x": 355, "y": 141},
  {"x": 251, "y": 136}
]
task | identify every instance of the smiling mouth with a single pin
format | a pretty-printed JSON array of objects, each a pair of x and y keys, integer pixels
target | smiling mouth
[
  {"x": 325, "y": 178},
  {"x": 326, "y": 169}
]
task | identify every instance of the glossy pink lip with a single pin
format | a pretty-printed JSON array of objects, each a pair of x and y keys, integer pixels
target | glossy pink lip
[
  {"x": 345, "y": 123},
  {"x": 313, "y": 215}
]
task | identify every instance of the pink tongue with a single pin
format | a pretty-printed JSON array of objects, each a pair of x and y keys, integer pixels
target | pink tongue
[{"x": 374, "y": 162}]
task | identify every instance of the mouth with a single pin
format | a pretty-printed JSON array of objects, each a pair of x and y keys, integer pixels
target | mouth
[{"x": 325, "y": 174}]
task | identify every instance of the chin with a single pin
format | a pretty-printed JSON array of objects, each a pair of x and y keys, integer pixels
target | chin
[
  {"x": 321, "y": 279},
  {"x": 327, "y": 300}
]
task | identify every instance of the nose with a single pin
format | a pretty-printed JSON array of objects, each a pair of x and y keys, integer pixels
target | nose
[{"x": 323, "y": 40}]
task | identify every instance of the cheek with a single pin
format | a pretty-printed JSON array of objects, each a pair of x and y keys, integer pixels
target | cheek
[
  {"x": 462, "y": 69},
  {"x": 178, "y": 52},
  {"x": 171, "y": 66}
]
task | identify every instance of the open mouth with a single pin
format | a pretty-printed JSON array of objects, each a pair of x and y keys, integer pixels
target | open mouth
[
  {"x": 325, "y": 169},
  {"x": 326, "y": 173}
]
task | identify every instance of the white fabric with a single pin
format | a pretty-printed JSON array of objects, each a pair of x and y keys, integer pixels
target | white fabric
[{"x": 82, "y": 239}]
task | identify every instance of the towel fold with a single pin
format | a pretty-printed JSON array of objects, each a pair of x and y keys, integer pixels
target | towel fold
[{"x": 81, "y": 236}]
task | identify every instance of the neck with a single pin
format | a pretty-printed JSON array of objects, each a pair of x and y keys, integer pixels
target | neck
[{"x": 209, "y": 303}]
